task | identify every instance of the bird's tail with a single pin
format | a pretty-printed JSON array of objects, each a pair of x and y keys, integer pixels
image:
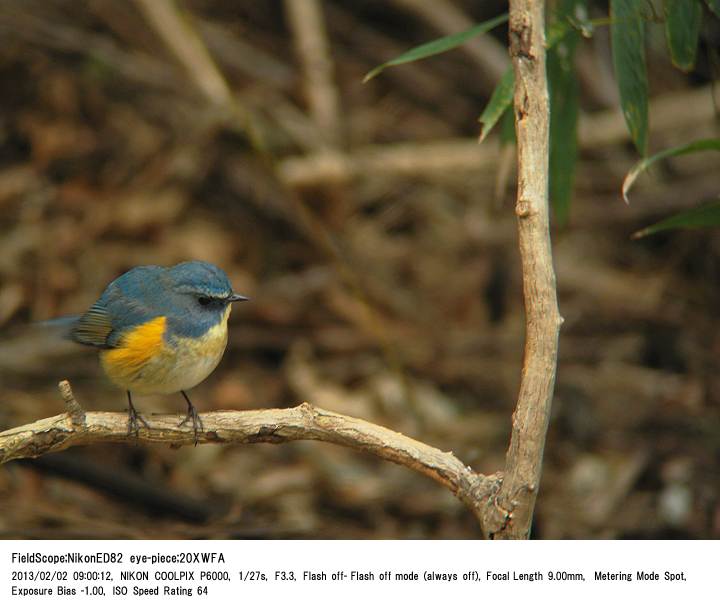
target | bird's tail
[
  {"x": 28, "y": 349},
  {"x": 60, "y": 326}
]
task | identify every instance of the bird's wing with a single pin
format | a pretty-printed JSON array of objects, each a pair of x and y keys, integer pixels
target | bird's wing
[
  {"x": 127, "y": 303},
  {"x": 94, "y": 328}
]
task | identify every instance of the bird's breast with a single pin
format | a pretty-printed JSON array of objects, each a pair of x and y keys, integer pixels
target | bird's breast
[{"x": 179, "y": 363}]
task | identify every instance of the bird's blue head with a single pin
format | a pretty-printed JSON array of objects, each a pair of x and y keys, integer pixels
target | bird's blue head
[
  {"x": 198, "y": 295},
  {"x": 202, "y": 280},
  {"x": 200, "y": 287}
]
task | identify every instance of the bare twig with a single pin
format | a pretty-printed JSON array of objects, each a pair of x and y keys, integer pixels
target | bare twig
[
  {"x": 187, "y": 47},
  {"x": 77, "y": 414},
  {"x": 516, "y": 499},
  {"x": 238, "y": 54},
  {"x": 176, "y": 30},
  {"x": 304, "y": 422},
  {"x": 393, "y": 159},
  {"x": 313, "y": 48}
]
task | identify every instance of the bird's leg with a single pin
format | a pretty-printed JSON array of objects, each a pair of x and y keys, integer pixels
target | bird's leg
[
  {"x": 133, "y": 418},
  {"x": 192, "y": 415}
]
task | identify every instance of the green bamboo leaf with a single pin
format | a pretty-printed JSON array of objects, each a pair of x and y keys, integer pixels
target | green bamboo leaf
[
  {"x": 714, "y": 6},
  {"x": 564, "y": 109},
  {"x": 628, "y": 50},
  {"x": 563, "y": 143},
  {"x": 556, "y": 31},
  {"x": 705, "y": 216},
  {"x": 440, "y": 45},
  {"x": 499, "y": 102},
  {"x": 507, "y": 127},
  {"x": 682, "y": 30},
  {"x": 640, "y": 166}
]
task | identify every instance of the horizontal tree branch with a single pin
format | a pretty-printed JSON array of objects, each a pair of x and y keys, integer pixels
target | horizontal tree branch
[{"x": 303, "y": 422}]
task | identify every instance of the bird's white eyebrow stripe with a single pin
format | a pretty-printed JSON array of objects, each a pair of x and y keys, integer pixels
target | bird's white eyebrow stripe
[
  {"x": 217, "y": 296},
  {"x": 195, "y": 291}
]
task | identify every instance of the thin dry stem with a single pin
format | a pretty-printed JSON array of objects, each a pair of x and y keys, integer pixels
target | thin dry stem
[
  {"x": 188, "y": 48},
  {"x": 313, "y": 48}
]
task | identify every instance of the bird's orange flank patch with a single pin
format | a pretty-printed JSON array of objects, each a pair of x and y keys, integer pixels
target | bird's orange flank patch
[{"x": 136, "y": 347}]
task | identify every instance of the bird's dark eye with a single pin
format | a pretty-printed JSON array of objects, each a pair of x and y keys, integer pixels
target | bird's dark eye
[{"x": 204, "y": 300}]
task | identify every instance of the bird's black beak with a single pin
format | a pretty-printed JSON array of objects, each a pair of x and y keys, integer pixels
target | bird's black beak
[{"x": 237, "y": 298}]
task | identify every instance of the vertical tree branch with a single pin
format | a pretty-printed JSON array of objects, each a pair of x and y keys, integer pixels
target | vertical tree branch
[{"x": 516, "y": 501}]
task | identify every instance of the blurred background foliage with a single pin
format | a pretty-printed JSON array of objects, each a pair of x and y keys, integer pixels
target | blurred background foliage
[{"x": 377, "y": 241}]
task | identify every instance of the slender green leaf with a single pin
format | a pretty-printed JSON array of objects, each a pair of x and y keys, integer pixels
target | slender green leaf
[
  {"x": 682, "y": 30},
  {"x": 701, "y": 217},
  {"x": 556, "y": 31},
  {"x": 507, "y": 127},
  {"x": 506, "y": 153},
  {"x": 628, "y": 50},
  {"x": 499, "y": 102},
  {"x": 640, "y": 166},
  {"x": 714, "y": 6},
  {"x": 440, "y": 45},
  {"x": 564, "y": 108},
  {"x": 563, "y": 144}
]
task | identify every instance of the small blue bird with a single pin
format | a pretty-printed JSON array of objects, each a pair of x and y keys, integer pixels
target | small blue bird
[{"x": 160, "y": 330}]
